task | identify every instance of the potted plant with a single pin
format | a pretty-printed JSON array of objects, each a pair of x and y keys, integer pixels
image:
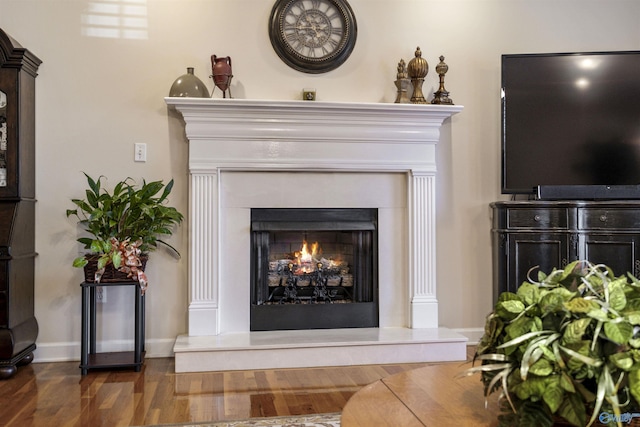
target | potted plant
[
  {"x": 124, "y": 226},
  {"x": 565, "y": 348}
]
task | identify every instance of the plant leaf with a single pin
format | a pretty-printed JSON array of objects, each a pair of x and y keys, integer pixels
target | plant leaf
[
  {"x": 96, "y": 246},
  {"x": 599, "y": 315},
  {"x": 493, "y": 357},
  {"x": 523, "y": 338},
  {"x": 581, "y": 305},
  {"x": 532, "y": 388},
  {"x": 582, "y": 358},
  {"x": 484, "y": 368},
  {"x": 80, "y": 262},
  {"x": 634, "y": 384},
  {"x": 535, "y": 350},
  {"x": 618, "y": 332},
  {"x": 622, "y": 360},
  {"x": 542, "y": 367},
  {"x": 529, "y": 292},
  {"x": 617, "y": 298},
  {"x": 552, "y": 302},
  {"x": 566, "y": 383},
  {"x": 532, "y": 415},
  {"x": 519, "y": 327},
  {"x": 116, "y": 258},
  {"x": 553, "y": 393},
  {"x": 509, "y": 309},
  {"x": 633, "y": 317},
  {"x": 605, "y": 386},
  {"x": 573, "y": 409},
  {"x": 575, "y": 330},
  {"x": 103, "y": 261}
]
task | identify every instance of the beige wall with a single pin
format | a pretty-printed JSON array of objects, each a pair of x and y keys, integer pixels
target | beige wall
[{"x": 96, "y": 97}]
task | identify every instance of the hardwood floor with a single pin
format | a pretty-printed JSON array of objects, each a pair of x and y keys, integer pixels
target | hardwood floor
[{"x": 55, "y": 394}]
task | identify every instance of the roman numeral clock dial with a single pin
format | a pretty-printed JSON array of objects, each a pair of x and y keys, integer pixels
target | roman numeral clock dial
[{"x": 313, "y": 36}]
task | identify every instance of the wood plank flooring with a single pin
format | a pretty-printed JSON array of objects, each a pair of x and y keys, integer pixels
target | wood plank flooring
[{"x": 55, "y": 394}]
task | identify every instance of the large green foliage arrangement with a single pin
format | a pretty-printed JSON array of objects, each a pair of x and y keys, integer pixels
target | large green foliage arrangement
[
  {"x": 124, "y": 223},
  {"x": 566, "y": 346}
]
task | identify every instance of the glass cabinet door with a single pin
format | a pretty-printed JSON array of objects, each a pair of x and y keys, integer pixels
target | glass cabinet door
[{"x": 3, "y": 139}]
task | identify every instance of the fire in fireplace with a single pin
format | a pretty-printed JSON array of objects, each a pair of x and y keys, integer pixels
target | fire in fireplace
[{"x": 313, "y": 269}]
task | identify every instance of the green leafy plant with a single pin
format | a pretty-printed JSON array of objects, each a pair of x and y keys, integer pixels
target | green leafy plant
[
  {"x": 125, "y": 223},
  {"x": 566, "y": 346}
]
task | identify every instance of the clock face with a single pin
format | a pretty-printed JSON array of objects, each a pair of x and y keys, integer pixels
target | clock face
[{"x": 313, "y": 36}]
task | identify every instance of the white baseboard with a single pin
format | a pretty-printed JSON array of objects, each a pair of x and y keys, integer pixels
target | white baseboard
[{"x": 70, "y": 351}]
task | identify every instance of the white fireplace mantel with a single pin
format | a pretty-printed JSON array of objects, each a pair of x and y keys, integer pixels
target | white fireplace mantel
[{"x": 237, "y": 135}]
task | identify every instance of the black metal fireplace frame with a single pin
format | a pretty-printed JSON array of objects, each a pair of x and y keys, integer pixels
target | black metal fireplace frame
[{"x": 362, "y": 223}]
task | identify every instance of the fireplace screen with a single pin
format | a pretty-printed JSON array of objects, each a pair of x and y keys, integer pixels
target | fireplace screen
[{"x": 313, "y": 268}]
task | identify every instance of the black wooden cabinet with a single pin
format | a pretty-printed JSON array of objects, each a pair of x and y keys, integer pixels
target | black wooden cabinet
[
  {"x": 18, "y": 325},
  {"x": 526, "y": 234}
]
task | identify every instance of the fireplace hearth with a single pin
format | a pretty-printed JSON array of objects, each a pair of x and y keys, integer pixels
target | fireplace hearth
[{"x": 313, "y": 269}]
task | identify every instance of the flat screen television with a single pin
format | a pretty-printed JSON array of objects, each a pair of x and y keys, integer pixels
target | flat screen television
[{"x": 571, "y": 125}]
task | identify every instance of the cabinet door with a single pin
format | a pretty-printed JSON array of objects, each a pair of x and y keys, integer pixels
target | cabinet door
[
  {"x": 4, "y": 295},
  {"x": 545, "y": 251},
  {"x": 618, "y": 251}
]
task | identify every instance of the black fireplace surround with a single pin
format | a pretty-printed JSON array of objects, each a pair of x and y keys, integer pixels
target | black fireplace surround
[{"x": 314, "y": 269}]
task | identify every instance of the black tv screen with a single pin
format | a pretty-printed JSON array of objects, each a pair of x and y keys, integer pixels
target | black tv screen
[{"x": 570, "y": 119}]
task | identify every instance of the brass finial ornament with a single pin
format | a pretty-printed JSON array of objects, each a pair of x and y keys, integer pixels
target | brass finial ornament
[
  {"x": 441, "y": 96},
  {"x": 417, "y": 70},
  {"x": 402, "y": 70},
  {"x": 402, "y": 83}
]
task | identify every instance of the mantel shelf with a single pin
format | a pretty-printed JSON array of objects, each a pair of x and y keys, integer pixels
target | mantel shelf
[{"x": 231, "y": 103}]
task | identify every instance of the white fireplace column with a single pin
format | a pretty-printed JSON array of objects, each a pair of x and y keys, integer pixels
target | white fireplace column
[
  {"x": 229, "y": 135},
  {"x": 203, "y": 254},
  {"x": 422, "y": 250}
]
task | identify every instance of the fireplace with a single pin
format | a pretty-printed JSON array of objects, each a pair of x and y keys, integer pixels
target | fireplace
[
  {"x": 313, "y": 269},
  {"x": 245, "y": 155}
]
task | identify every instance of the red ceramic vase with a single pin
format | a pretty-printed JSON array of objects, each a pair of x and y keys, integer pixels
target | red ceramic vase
[{"x": 221, "y": 71}]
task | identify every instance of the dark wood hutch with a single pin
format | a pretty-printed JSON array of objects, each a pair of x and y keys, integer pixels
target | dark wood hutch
[{"x": 18, "y": 325}]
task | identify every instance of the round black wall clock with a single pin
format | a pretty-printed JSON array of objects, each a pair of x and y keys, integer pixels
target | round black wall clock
[{"x": 313, "y": 36}]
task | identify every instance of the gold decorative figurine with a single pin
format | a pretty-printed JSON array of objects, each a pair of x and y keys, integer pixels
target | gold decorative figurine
[
  {"x": 402, "y": 83},
  {"x": 418, "y": 69},
  {"x": 441, "y": 96}
]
